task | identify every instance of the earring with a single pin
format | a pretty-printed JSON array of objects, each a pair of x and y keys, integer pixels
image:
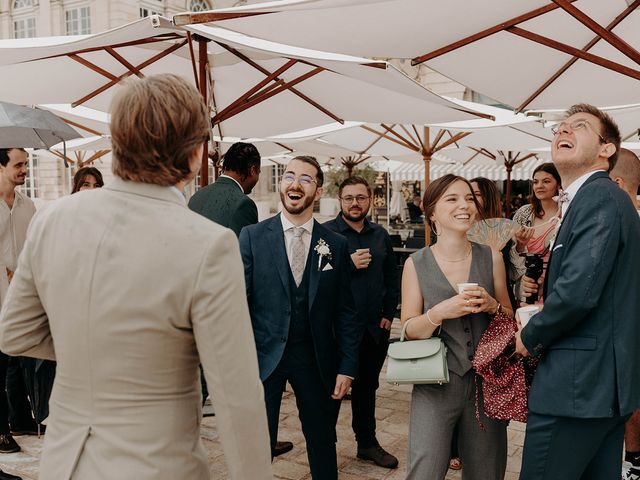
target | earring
[{"x": 433, "y": 228}]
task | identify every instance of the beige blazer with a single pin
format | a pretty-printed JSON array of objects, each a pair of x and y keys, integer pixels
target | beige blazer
[{"x": 128, "y": 290}]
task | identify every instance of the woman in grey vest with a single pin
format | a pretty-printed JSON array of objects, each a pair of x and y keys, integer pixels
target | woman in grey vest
[{"x": 432, "y": 306}]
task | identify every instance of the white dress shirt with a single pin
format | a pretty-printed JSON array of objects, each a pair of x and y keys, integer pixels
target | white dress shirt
[
  {"x": 287, "y": 227},
  {"x": 573, "y": 188}
]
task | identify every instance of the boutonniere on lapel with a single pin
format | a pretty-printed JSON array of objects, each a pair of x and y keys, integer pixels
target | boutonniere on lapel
[{"x": 323, "y": 251}]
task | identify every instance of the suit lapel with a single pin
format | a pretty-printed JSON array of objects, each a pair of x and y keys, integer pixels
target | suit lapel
[
  {"x": 276, "y": 239},
  {"x": 314, "y": 274}
]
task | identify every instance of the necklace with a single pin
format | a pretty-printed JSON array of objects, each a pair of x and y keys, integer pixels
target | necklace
[{"x": 457, "y": 260}]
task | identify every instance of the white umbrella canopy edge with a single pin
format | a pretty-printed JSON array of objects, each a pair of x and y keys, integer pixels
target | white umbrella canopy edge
[
  {"x": 362, "y": 83},
  {"x": 549, "y": 54}
]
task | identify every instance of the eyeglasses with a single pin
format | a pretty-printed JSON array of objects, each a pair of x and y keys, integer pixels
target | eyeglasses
[
  {"x": 577, "y": 125},
  {"x": 358, "y": 198},
  {"x": 289, "y": 178}
]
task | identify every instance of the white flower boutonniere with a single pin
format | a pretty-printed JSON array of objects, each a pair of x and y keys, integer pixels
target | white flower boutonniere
[{"x": 323, "y": 250}]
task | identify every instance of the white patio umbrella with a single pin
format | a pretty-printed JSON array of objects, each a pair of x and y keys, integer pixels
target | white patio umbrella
[
  {"x": 255, "y": 88},
  {"x": 526, "y": 53}
]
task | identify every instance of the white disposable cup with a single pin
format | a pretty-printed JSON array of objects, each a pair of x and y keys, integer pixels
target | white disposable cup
[
  {"x": 525, "y": 313},
  {"x": 360, "y": 250},
  {"x": 466, "y": 286}
]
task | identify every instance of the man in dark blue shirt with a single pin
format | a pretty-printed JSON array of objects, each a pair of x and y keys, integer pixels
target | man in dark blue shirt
[{"x": 374, "y": 282}]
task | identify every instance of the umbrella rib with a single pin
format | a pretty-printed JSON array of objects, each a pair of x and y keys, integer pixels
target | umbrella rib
[
  {"x": 406, "y": 130},
  {"x": 265, "y": 96},
  {"x": 133, "y": 43},
  {"x": 529, "y": 133},
  {"x": 396, "y": 134},
  {"x": 379, "y": 137},
  {"x": 478, "y": 152},
  {"x": 454, "y": 139},
  {"x": 415, "y": 130},
  {"x": 387, "y": 137},
  {"x": 567, "y": 65},
  {"x": 485, "y": 33},
  {"x": 192, "y": 56},
  {"x": 92, "y": 66},
  {"x": 295, "y": 91},
  {"x": 144, "y": 64},
  {"x": 247, "y": 96},
  {"x": 436, "y": 140},
  {"x": 183, "y": 19},
  {"x": 614, "y": 40},
  {"x": 589, "y": 57},
  {"x": 124, "y": 62},
  {"x": 80, "y": 126}
]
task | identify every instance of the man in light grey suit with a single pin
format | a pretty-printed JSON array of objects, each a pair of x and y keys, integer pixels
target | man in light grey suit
[{"x": 129, "y": 291}]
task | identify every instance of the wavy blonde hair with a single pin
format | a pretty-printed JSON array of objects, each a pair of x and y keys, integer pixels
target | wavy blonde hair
[{"x": 156, "y": 123}]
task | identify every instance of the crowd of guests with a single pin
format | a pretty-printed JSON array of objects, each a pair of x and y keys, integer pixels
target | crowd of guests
[{"x": 130, "y": 292}]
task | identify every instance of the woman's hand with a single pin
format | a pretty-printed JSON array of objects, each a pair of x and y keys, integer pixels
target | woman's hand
[
  {"x": 522, "y": 237},
  {"x": 454, "y": 307},
  {"x": 480, "y": 300}
]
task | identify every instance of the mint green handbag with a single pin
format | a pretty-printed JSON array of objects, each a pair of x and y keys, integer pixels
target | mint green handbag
[{"x": 417, "y": 361}]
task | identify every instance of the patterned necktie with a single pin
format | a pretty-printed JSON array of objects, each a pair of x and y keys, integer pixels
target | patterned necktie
[{"x": 297, "y": 255}]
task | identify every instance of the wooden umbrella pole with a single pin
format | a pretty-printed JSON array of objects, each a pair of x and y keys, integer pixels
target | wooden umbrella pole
[
  {"x": 202, "y": 83},
  {"x": 426, "y": 156},
  {"x": 509, "y": 166}
]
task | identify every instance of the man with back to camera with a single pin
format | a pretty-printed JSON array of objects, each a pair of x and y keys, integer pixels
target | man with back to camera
[
  {"x": 227, "y": 203},
  {"x": 626, "y": 174},
  {"x": 375, "y": 287},
  {"x": 135, "y": 290},
  {"x": 588, "y": 334},
  {"x": 304, "y": 322}
]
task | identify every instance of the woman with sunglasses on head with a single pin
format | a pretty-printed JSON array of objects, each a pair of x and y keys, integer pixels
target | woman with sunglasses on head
[
  {"x": 432, "y": 306},
  {"x": 538, "y": 220}
]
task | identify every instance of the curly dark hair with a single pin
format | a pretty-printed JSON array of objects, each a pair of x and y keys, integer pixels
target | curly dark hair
[{"x": 240, "y": 158}]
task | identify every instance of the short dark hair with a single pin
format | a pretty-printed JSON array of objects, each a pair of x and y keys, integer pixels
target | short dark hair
[
  {"x": 436, "y": 189},
  {"x": 355, "y": 180},
  {"x": 4, "y": 154},
  {"x": 312, "y": 161},
  {"x": 609, "y": 131},
  {"x": 490, "y": 198},
  {"x": 240, "y": 158},
  {"x": 81, "y": 174},
  {"x": 551, "y": 169}
]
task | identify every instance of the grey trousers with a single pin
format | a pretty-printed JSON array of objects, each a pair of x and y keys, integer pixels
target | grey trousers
[{"x": 435, "y": 410}]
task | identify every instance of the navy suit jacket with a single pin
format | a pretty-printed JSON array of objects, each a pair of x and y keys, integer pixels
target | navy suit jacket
[
  {"x": 335, "y": 331},
  {"x": 589, "y": 329}
]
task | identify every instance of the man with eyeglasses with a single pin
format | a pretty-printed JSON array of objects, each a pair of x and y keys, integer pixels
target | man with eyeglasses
[
  {"x": 374, "y": 282},
  {"x": 588, "y": 333},
  {"x": 297, "y": 277}
]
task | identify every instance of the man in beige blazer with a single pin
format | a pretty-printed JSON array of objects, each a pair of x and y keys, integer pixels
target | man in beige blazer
[{"x": 128, "y": 290}]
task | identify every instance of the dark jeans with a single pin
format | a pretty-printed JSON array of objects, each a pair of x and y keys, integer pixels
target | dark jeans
[
  {"x": 363, "y": 389},
  {"x": 15, "y": 409},
  {"x": 316, "y": 408}
]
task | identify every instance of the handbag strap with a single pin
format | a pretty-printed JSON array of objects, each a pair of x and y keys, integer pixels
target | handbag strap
[{"x": 404, "y": 328}]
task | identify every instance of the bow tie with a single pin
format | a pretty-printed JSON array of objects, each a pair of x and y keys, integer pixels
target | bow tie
[{"x": 562, "y": 197}]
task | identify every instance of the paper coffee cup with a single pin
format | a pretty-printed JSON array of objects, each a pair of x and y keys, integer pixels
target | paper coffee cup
[
  {"x": 466, "y": 286},
  {"x": 525, "y": 313}
]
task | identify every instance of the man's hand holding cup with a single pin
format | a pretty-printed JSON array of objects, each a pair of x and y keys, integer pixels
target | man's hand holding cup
[{"x": 361, "y": 258}]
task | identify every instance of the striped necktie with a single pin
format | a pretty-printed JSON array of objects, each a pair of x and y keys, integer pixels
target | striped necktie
[{"x": 297, "y": 255}]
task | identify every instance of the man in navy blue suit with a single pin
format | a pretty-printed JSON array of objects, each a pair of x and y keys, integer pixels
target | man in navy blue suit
[
  {"x": 588, "y": 332},
  {"x": 302, "y": 312}
]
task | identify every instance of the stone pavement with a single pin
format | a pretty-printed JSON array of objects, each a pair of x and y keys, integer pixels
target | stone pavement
[{"x": 392, "y": 414}]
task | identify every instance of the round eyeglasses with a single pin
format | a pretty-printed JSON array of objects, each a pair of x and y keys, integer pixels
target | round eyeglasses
[{"x": 577, "y": 125}]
